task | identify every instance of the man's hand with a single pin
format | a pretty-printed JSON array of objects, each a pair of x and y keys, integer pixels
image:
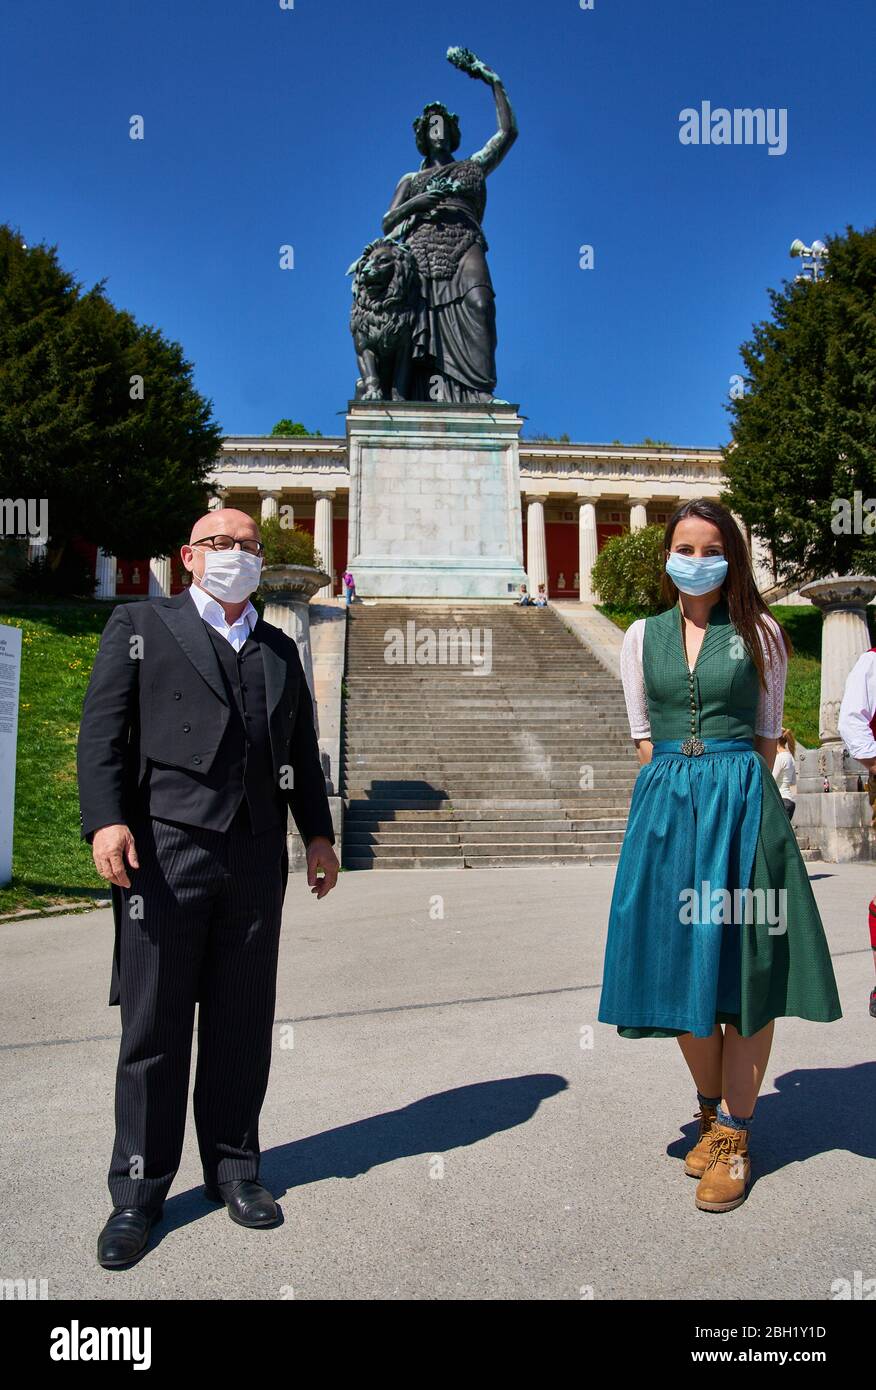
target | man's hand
[
  {"x": 110, "y": 847},
  {"x": 321, "y": 855}
]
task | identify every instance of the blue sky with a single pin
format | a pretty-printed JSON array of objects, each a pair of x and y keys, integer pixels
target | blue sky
[{"x": 266, "y": 127}]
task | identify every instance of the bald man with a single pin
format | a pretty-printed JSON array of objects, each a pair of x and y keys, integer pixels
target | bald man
[{"x": 197, "y": 739}]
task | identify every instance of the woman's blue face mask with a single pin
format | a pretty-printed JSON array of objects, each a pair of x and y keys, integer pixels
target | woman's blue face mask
[{"x": 692, "y": 575}]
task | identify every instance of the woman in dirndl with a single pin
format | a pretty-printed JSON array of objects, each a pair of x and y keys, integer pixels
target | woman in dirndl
[{"x": 713, "y": 931}]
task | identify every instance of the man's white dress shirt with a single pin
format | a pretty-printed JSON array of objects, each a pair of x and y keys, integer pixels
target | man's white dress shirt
[{"x": 214, "y": 614}]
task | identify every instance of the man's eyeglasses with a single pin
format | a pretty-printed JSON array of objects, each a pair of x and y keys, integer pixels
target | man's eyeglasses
[{"x": 228, "y": 543}]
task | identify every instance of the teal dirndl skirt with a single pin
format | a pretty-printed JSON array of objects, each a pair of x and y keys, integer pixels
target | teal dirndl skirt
[{"x": 692, "y": 829}]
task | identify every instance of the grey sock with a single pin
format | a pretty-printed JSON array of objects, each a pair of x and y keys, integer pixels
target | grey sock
[{"x": 733, "y": 1121}]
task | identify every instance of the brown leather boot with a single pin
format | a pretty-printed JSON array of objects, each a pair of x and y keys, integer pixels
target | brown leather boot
[
  {"x": 697, "y": 1158},
  {"x": 728, "y": 1171}
]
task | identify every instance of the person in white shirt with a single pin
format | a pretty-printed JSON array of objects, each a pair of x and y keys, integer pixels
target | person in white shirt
[
  {"x": 857, "y": 715},
  {"x": 785, "y": 771},
  {"x": 857, "y": 729}
]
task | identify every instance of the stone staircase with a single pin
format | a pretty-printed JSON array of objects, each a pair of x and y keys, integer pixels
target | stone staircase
[{"x": 529, "y": 764}]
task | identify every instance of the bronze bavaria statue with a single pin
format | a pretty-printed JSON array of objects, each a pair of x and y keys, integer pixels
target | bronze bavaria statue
[{"x": 424, "y": 317}]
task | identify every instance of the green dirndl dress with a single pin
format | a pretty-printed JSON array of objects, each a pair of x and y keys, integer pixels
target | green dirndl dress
[{"x": 713, "y": 918}]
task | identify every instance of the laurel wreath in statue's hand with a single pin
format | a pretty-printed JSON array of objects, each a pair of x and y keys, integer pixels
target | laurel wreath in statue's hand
[{"x": 468, "y": 62}]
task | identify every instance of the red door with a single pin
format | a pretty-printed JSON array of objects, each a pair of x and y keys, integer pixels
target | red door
[
  {"x": 561, "y": 538},
  {"x": 605, "y": 529}
]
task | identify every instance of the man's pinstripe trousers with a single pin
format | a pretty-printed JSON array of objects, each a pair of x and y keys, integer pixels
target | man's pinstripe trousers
[{"x": 201, "y": 921}]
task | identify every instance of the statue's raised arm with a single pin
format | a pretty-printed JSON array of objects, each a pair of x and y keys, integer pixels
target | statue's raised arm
[{"x": 496, "y": 148}]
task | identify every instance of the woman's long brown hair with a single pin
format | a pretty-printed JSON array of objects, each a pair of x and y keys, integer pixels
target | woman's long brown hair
[{"x": 744, "y": 603}]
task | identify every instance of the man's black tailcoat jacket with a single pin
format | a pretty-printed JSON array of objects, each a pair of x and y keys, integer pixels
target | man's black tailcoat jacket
[{"x": 157, "y": 693}]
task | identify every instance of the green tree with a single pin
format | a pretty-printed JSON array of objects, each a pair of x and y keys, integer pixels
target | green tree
[
  {"x": 804, "y": 429},
  {"x": 98, "y": 413},
  {"x": 628, "y": 569},
  {"x": 286, "y": 545},
  {"x": 295, "y": 428}
]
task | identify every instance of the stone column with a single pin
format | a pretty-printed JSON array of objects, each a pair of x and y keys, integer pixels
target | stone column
[
  {"x": 216, "y": 503},
  {"x": 588, "y": 549},
  {"x": 159, "y": 576},
  {"x": 762, "y": 564},
  {"x": 844, "y": 637},
  {"x": 270, "y": 505},
  {"x": 638, "y": 516},
  {"x": 322, "y": 536},
  {"x": 743, "y": 528},
  {"x": 833, "y": 814},
  {"x": 105, "y": 574},
  {"x": 536, "y": 545}
]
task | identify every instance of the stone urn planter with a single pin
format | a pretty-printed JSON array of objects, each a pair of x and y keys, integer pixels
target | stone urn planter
[
  {"x": 287, "y": 591},
  {"x": 833, "y": 812}
]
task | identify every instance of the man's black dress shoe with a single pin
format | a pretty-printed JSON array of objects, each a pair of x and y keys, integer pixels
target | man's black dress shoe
[
  {"x": 248, "y": 1203},
  {"x": 126, "y": 1235}
]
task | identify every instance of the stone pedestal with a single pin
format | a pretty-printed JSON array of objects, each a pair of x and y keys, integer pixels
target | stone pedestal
[
  {"x": 834, "y": 814},
  {"x": 287, "y": 591},
  {"x": 434, "y": 500},
  {"x": 838, "y": 822}
]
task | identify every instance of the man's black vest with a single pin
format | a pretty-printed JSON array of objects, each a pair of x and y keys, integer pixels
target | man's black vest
[{"x": 243, "y": 766}]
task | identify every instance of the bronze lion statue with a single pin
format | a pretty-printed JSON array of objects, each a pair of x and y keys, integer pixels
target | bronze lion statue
[{"x": 386, "y": 301}]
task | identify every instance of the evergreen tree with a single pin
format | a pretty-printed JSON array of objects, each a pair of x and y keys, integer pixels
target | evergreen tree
[
  {"x": 804, "y": 431},
  {"x": 98, "y": 413}
]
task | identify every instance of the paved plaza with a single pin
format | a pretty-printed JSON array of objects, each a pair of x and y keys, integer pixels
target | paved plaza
[{"x": 434, "y": 1127}]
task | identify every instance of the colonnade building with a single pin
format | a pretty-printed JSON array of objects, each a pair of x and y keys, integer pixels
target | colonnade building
[{"x": 573, "y": 498}]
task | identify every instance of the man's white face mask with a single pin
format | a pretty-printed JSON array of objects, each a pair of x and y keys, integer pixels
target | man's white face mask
[{"x": 231, "y": 575}]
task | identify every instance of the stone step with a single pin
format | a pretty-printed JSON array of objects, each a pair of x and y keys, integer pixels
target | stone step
[
  {"x": 473, "y": 811},
  {"x": 535, "y": 859},
  {"x": 443, "y": 767},
  {"x": 507, "y": 791},
  {"x": 359, "y": 841},
  {"x": 437, "y": 789},
  {"x": 385, "y": 830},
  {"x": 424, "y": 769}
]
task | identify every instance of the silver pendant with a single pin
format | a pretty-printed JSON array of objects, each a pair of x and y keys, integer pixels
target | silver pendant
[{"x": 693, "y": 745}]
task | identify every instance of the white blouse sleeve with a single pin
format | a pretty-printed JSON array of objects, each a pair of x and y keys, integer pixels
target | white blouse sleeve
[
  {"x": 771, "y": 705},
  {"x": 633, "y": 678}
]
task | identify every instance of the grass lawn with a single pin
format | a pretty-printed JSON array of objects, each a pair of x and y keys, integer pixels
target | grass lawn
[
  {"x": 50, "y": 863},
  {"x": 803, "y": 691}
]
